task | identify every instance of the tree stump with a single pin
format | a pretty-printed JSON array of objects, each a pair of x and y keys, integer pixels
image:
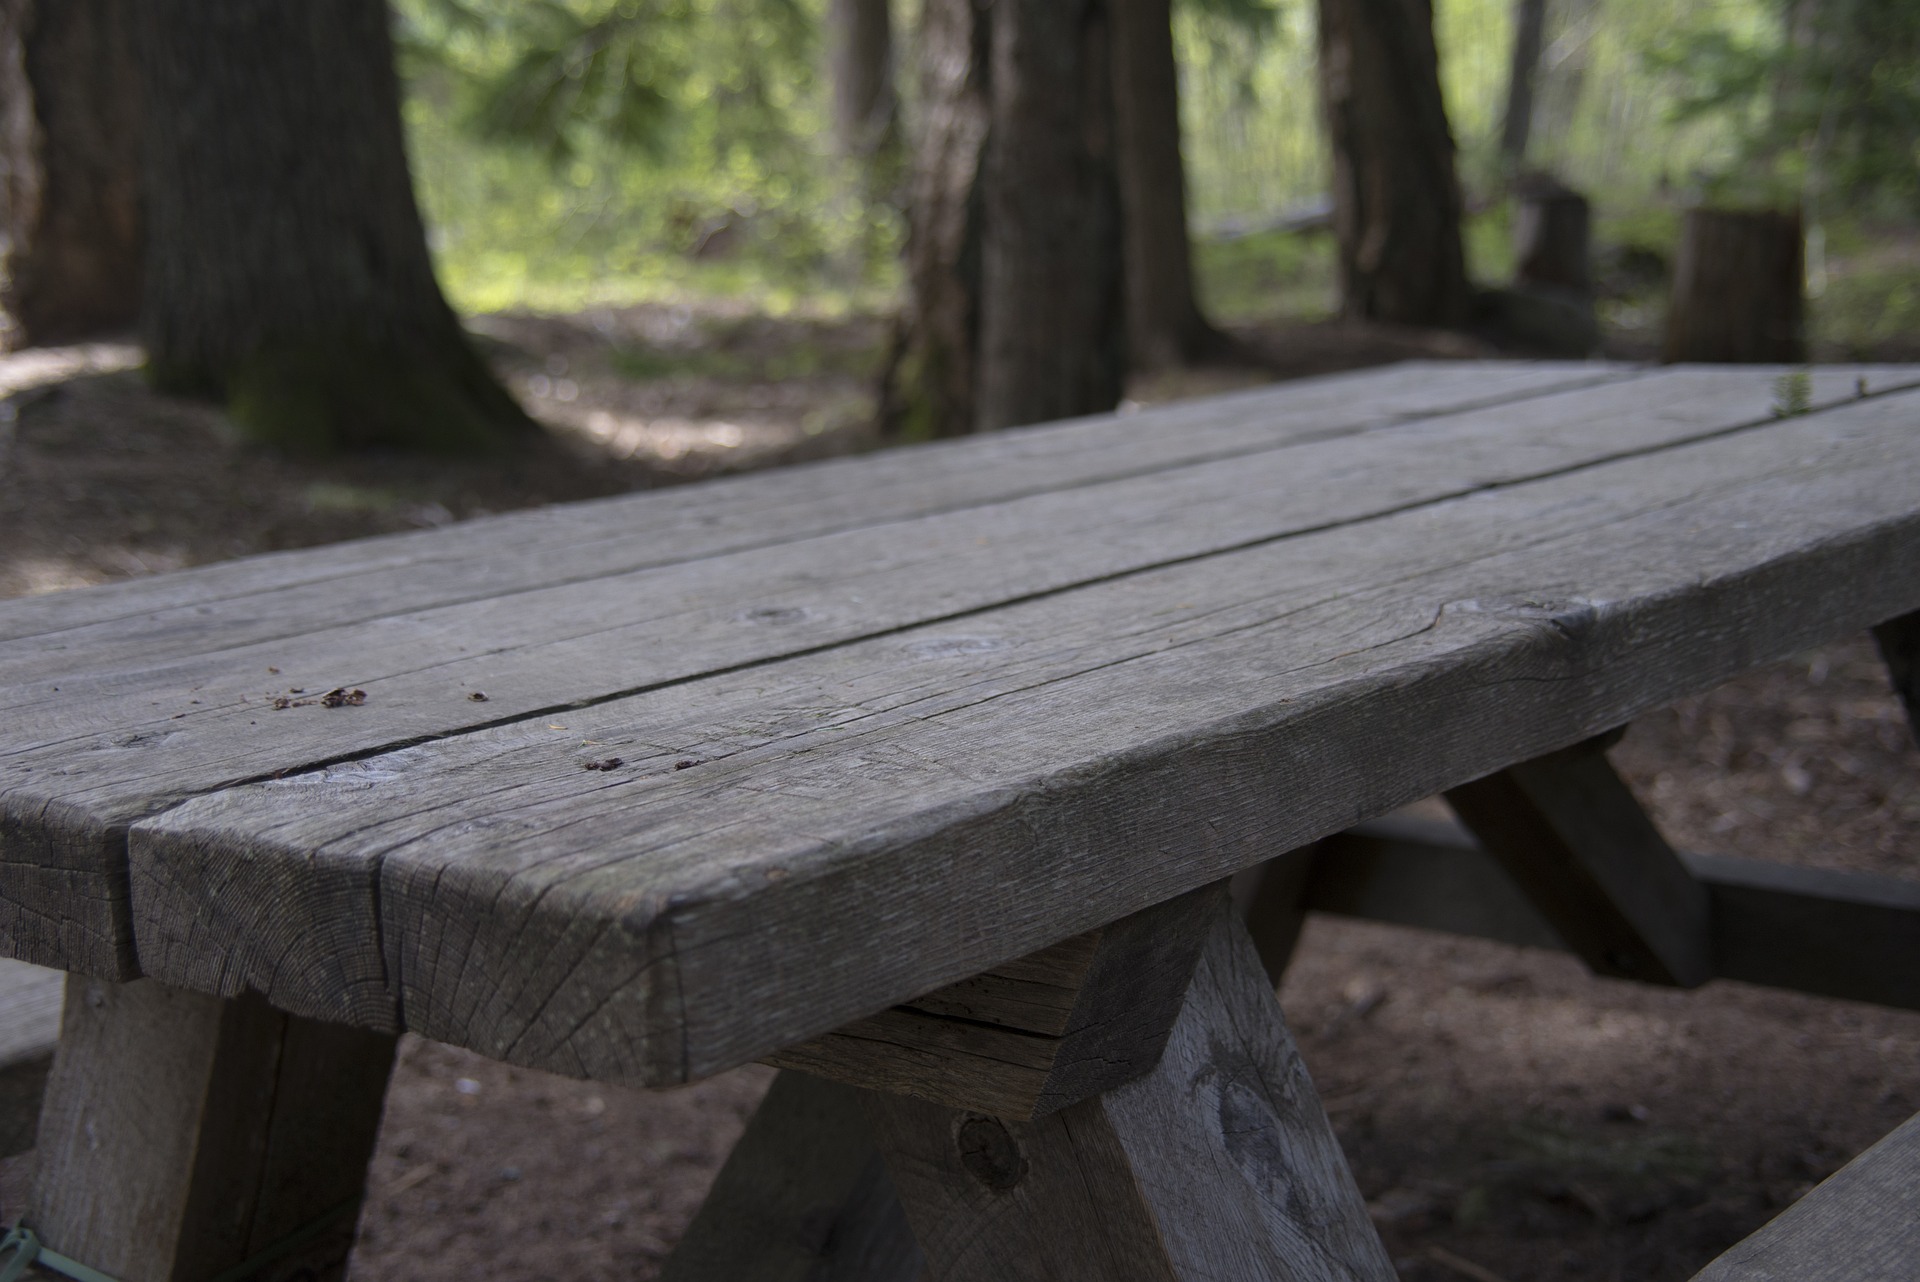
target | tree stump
[
  {"x": 1737, "y": 288},
  {"x": 1551, "y": 236}
]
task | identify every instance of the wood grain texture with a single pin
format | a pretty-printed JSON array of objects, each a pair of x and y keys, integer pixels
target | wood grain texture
[
  {"x": 1217, "y": 1164},
  {"x": 182, "y": 1133},
  {"x": 283, "y": 594},
  {"x": 804, "y": 1197},
  {"x": 109, "y": 746},
  {"x": 1577, "y": 842},
  {"x": 1860, "y": 1225},
  {"x": 893, "y": 816},
  {"x": 954, "y": 1049},
  {"x": 1833, "y": 934}
]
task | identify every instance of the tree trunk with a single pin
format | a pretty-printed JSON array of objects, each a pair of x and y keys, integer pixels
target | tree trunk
[
  {"x": 929, "y": 389},
  {"x": 1014, "y": 258},
  {"x": 1529, "y": 23},
  {"x": 1165, "y": 326},
  {"x": 1737, "y": 288},
  {"x": 860, "y": 55},
  {"x": 1396, "y": 199},
  {"x": 70, "y": 133},
  {"x": 287, "y": 269},
  {"x": 1052, "y": 312}
]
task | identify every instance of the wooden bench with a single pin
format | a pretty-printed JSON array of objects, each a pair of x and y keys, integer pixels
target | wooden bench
[{"x": 922, "y": 775}]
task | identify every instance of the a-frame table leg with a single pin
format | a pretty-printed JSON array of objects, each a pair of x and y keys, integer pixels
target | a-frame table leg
[
  {"x": 184, "y": 1135},
  {"x": 804, "y": 1197},
  {"x": 1218, "y": 1163}
]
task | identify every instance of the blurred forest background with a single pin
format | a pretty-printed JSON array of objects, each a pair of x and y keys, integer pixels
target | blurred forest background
[{"x": 715, "y": 174}]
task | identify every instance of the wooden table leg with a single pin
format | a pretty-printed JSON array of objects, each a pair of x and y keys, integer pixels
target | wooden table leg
[
  {"x": 804, "y": 1197},
  {"x": 1218, "y": 1163},
  {"x": 184, "y": 1134},
  {"x": 1899, "y": 642}
]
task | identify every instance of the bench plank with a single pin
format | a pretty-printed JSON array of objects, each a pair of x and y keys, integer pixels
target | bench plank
[
  {"x": 1833, "y": 934},
  {"x": 901, "y": 814},
  {"x": 81, "y": 762},
  {"x": 1862, "y": 1224}
]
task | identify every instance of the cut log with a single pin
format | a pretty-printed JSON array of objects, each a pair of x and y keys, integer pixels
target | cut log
[
  {"x": 1737, "y": 288},
  {"x": 1218, "y": 1164},
  {"x": 184, "y": 1135}
]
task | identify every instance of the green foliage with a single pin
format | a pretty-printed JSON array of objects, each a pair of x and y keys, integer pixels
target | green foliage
[
  {"x": 573, "y": 152},
  {"x": 1829, "y": 99}
]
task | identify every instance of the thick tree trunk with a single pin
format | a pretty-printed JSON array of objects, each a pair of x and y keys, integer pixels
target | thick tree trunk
[
  {"x": 1052, "y": 311},
  {"x": 1529, "y": 24},
  {"x": 1396, "y": 199},
  {"x": 70, "y": 134},
  {"x": 1738, "y": 282},
  {"x": 860, "y": 56},
  {"x": 1014, "y": 259},
  {"x": 287, "y": 270},
  {"x": 930, "y": 382},
  {"x": 1164, "y": 323}
]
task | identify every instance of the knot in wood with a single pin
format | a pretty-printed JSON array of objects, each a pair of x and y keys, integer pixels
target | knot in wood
[{"x": 990, "y": 1153}]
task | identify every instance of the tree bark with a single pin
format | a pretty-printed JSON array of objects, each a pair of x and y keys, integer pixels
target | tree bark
[
  {"x": 1396, "y": 198},
  {"x": 1738, "y": 282},
  {"x": 287, "y": 270},
  {"x": 1014, "y": 257},
  {"x": 860, "y": 56},
  {"x": 70, "y": 132},
  {"x": 1165, "y": 326},
  {"x": 929, "y": 389},
  {"x": 1052, "y": 314},
  {"x": 1529, "y": 24}
]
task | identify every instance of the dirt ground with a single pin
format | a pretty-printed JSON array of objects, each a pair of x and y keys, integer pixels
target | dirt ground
[{"x": 1508, "y": 1116}]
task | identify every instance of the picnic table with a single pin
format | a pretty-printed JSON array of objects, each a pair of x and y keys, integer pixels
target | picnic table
[{"x": 923, "y": 775}]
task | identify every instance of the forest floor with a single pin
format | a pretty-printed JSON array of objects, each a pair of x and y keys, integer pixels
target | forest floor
[{"x": 1508, "y": 1116}]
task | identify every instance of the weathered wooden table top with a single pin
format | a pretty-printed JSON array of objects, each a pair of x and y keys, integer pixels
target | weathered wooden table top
[{"x": 644, "y": 788}]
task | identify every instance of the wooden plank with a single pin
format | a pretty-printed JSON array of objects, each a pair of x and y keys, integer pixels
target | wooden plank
[
  {"x": 82, "y": 761},
  {"x": 1833, "y": 934},
  {"x": 1109, "y": 1030},
  {"x": 1899, "y": 642},
  {"x": 804, "y": 1197},
  {"x": 1219, "y": 1163},
  {"x": 287, "y": 593},
  {"x": 894, "y": 816},
  {"x": 1861, "y": 1224},
  {"x": 184, "y": 1134},
  {"x": 1576, "y": 841}
]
